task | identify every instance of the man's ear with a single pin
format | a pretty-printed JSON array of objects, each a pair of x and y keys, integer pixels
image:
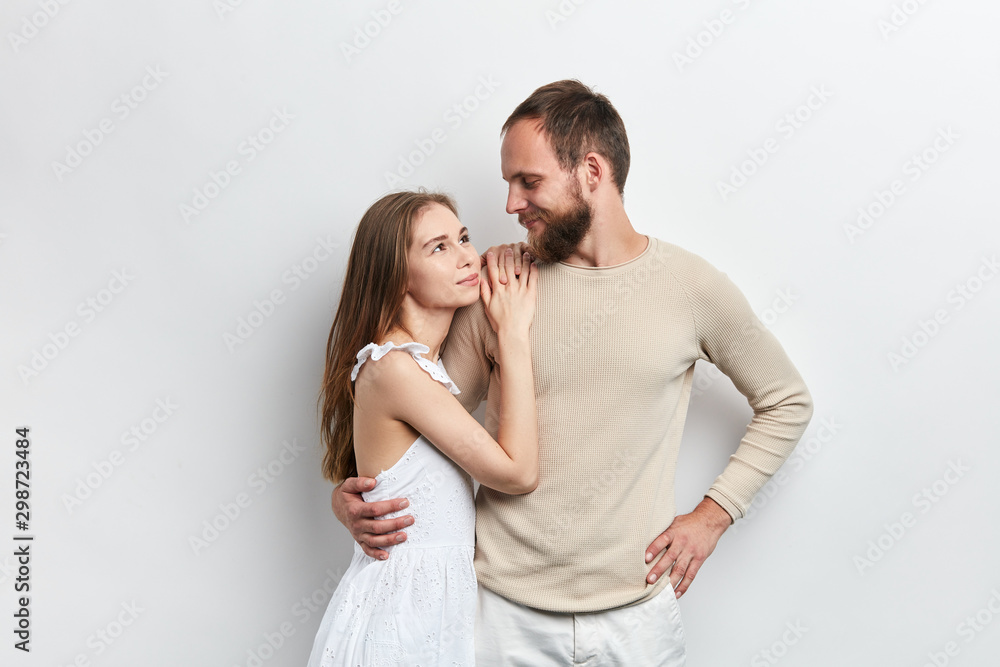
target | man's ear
[{"x": 595, "y": 170}]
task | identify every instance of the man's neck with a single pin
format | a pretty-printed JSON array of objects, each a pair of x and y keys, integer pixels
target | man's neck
[{"x": 610, "y": 241}]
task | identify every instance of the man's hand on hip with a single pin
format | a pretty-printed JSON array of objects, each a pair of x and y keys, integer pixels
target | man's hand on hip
[
  {"x": 362, "y": 520},
  {"x": 689, "y": 540}
]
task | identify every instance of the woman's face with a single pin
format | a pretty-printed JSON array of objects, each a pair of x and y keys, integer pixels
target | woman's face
[{"x": 444, "y": 266}]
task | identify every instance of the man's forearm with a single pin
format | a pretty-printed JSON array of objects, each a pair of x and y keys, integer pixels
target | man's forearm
[
  {"x": 337, "y": 503},
  {"x": 770, "y": 439}
]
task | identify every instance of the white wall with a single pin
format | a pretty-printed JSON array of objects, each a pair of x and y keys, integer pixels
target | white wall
[{"x": 331, "y": 125}]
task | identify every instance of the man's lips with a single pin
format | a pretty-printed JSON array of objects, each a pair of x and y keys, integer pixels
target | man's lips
[{"x": 471, "y": 280}]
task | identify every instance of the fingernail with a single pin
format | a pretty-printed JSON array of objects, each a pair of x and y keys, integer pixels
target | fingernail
[
  {"x": 408, "y": 522},
  {"x": 400, "y": 538},
  {"x": 649, "y": 557},
  {"x": 383, "y": 556},
  {"x": 404, "y": 504},
  {"x": 652, "y": 578}
]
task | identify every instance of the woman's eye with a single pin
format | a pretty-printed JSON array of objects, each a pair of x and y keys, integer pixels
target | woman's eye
[
  {"x": 439, "y": 246},
  {"x": 465, "y": 239}
]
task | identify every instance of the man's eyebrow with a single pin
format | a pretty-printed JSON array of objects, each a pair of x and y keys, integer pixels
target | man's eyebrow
[
  {"x": 462, "y": 232},
  {"x": 520, "y": 174}
]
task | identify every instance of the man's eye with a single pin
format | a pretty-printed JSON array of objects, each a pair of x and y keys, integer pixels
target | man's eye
[{"x": 530, "y": 184}]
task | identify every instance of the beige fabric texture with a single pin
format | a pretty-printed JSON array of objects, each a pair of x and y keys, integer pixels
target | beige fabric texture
[{"x": 613, "y": 350}]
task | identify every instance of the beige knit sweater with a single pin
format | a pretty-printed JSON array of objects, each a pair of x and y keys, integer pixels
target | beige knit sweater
[{"x": 613, "y": 350}]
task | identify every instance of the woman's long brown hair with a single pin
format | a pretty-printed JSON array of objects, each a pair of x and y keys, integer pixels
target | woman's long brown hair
[{"x": 370, "y": 305}]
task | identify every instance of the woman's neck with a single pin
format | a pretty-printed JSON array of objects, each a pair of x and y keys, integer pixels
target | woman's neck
[{"x": 422, "y": 326}]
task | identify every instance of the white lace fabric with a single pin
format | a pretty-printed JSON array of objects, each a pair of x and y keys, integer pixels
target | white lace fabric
[
  {"x": 376, "y": 352},
  {"x": 418, "y": 607}
]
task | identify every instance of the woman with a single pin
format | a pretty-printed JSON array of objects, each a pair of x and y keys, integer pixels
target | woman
[{"x": 388, "y": 412}]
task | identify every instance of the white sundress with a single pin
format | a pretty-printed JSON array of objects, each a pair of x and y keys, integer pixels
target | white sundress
[{"x": 417, "y": 608}]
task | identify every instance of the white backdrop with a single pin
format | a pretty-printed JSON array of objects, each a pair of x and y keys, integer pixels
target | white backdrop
[{"x": 180, "y": 182}]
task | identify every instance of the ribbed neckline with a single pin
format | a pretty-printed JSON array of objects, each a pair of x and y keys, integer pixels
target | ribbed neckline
[{"x": 614, "y": 268}]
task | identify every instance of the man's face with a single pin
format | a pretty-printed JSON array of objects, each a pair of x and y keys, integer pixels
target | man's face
[{"x": 548, "y": 201}]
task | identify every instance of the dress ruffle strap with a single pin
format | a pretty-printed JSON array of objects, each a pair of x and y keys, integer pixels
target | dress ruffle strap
[{"x": 376, "y": 352}]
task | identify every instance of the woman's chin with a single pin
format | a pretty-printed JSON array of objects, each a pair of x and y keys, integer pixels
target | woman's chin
[{"x": 470, "y": 298}]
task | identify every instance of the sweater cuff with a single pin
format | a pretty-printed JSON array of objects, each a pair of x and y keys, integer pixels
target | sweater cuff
[{"x": 734, "y": 510}]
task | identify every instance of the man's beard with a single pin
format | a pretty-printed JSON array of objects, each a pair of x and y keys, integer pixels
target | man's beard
[{"x": 563, "y": 232}]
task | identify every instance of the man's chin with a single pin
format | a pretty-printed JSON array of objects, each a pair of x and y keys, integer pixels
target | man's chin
[{"x": 532, "y": 242}]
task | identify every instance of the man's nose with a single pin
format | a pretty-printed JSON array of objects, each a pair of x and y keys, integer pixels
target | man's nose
[{"x": 515, "y": 202}]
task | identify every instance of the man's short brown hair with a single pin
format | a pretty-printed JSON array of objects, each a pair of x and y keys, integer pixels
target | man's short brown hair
[{"x": 577, "y": 120}]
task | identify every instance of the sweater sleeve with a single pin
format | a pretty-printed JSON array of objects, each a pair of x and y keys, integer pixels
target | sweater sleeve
[
  {"x": 465, "y": 356},
  {"x": 730, "y": 335}
]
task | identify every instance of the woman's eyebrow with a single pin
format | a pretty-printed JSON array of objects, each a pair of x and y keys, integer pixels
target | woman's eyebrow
[{"x": 444, "y": 237}]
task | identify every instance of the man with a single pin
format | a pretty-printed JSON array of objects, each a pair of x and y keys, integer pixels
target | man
[{"x": 567, "y": 573}]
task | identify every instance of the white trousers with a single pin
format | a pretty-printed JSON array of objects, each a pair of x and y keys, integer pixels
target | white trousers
[{"x": 648, "y": 634}]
